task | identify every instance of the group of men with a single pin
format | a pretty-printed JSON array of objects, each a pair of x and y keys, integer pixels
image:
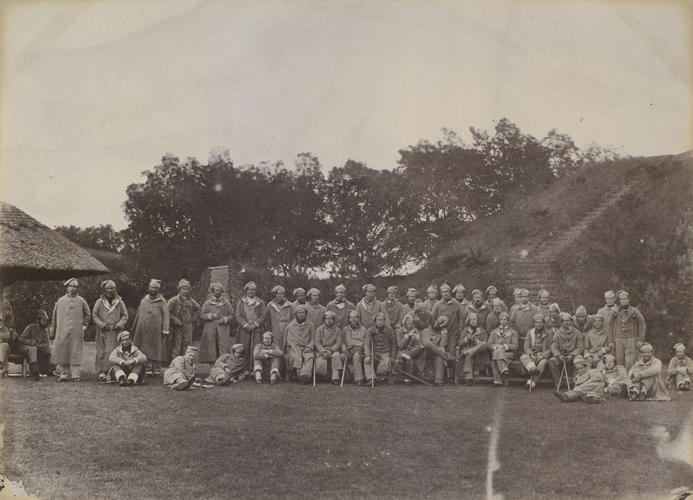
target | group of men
[{"x": 444, "y": 338}]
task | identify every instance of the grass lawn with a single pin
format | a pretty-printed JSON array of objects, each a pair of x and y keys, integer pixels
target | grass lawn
[{"x": 246, "y": 441}]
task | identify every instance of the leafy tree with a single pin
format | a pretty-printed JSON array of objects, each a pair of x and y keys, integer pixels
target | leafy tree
[{"x": 102, "y": 237}]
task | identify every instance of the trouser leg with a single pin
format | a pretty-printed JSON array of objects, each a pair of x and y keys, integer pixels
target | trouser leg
[
  {"x": 75, "y": 371},
  {"x": 496, "y": 371},
  {"x": 357, "y": 366},
  {"x": 321, "y": 366},
  {"x": 336, "y": 363},
  {"x": 4, "y": 357},
  {"x": 44, "y": 360},
  {"x": 29, "y": 351},
  {"x": 368, "y": 367},
  {"x": 440, "y": 369},
  {"x": 307, "y": 365},
  {"x": 556, "y": 367}
]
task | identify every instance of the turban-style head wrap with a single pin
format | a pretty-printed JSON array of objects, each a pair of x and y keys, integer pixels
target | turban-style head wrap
[
  {"x": 412, "y": 291},
  {"x": 268, "y": 333},
  {"x": 340, "y": 288},
  {"x": 504, "y": 315},
  {"x": 580, "y": 309},
  {"x": 122, "y": 335},
  {"x": 490, "y": 289},
  {"x": 192, "y": 350},
  {"x": 477, "y": 292},
  {"x": 367, "y": 287},
  {"x": 237, "y": 347},
  {"x": 406, "y": 317},
  {"x": 300, "y": 307},
  {"x": 646, "y": 347},
  {"x": 609, "y": 293},
  {"x": 679, "y": 347},
  {"x": 565, "y": 316},
  {"x": 330, "y": 314},
  {"x": 541, "y": 292},
  {"x": 298, "y": 290},
  {"x": 214, "y": 285},
  {"x": 106, "y": 283},
  {"x": 313, "y": 291},
  {"x": 497, "y": 302},
  {"x": 248, "y": 285},
  {"x": 554, "y": 307},
  {"x": 432, "y": 288},
  {"x": 441, "y": 322},
  {"x": 71, "y": 281},
  {"x": 153, "y": 282},
  {"x": 468, "y": 319},
  {"x": 622, "y": 292},
  {"x": 183, "y": 283},
  {"x": 392, "y": 289},
  {"x": 278, "y": 288},
  {"x": 444, "y": 286},
  {"x": 458, "y": 288},
  {"x": 608, "y": 357},
  {"x": 522, "y": 291},
  {"x": 538, "y": 317}
]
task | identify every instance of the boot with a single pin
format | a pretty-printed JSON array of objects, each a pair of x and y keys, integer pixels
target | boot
[
  {"x": 561, "y": 395},
  {"x": 33, "y": 368}
]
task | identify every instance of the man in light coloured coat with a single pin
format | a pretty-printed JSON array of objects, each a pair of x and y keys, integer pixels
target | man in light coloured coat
[
  {"x": 380, "y": 349},
  {"x": 394, "y": 309},
  {"x": 522, "y": 316},
  {"x": 127, "y": 361},
  {"x": 503, "y": 343},
  {"x": 328, "y": 348},
  {"x": 610, "y": 307},
  {"x": 300, "y": 344},
  {"x": 71, "y": 316},
  {"x": 316, "y": 311},
  {"x": 340, "y": 306},
  {"x": 354, "y": 335},
  {"x": 110, "y": 317},
  {"x": 680, "y": 369},
  {"x": 279, "y": 315},
  {"x": 267, "y": 358},
  {"x": 450, "y": 308},
  {"x": 151, "y": 328},
  {"x": 589, "y": 384},
  {"x": 369, "y": 306},
  {"x": 626, "y": 331},
  {"x": 537, "y": 350},
  {"x": 645, "y": 378}
]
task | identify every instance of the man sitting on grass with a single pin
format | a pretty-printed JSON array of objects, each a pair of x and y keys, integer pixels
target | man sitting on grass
[
  {"x": 180, "y": 375},
  {"x": 267, "y": 358},
  {"x": 229, "y": 367},
  {"x": 503, "y": 342},
  {"x": 615, "y": 377},
  {"x": 589, "y": 384},
  {"x": 644, "y": 378},
  {"x": 127, "y": 361},
  {"x": 680, "y": 369}
]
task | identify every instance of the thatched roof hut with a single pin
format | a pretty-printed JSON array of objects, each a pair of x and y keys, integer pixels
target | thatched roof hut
[{"x": 30, "y": 251}]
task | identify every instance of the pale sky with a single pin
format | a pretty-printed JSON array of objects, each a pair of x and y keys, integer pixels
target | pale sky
[{"x": 93, "y": 93}]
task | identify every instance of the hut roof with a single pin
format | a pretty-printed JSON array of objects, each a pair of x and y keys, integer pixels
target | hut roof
[{"x": 30, "y": 251}]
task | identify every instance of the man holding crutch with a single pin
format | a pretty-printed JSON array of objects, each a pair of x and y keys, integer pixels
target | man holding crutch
[
  {"x": 565, "y": 345},
  {"x": 380, "y": 349}
]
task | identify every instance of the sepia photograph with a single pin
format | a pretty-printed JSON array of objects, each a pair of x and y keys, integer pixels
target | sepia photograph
[{"x": 346, "y": 249}]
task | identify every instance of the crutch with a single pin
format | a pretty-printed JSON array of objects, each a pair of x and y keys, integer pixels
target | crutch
[
  {"x": 567, "y": 379},
  {"x": 313, "y": 368},
  {"x": 372, "y": 365},
  {"x": 560, "y": 379},
  {"x": 411, "y": 376},
  {"x": 344, "y": 368}
]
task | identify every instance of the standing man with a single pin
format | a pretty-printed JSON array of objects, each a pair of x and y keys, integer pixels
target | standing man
[
  {"x": 609, "y": 308},
  {"x": 431, "y": 298},
  {"x": 151, "y": 328},
  {"x": 522, "y": 316},
  {"x": 316, "y": 311},
  {"x": 458, "y": 293},
  {"x": 340, "y": 307},
  {"x": 368, "y": 307},
  {"x": 380, "y": 349},
  {"x": 479, "y": 307},
  {"x": 70, "y": 318},
  {"x": 410, "y": 306},
  {"x": 299, "y": 298},
  {"x": 626, "y": 331},
  {"x": 250, "y": 317},
  {"x": 182, "y": 311},
  {"x": 394, "y": 309},
  {"x": 279, "y": 315},
  {"x": 491, "y": 295},
  {"x": 450, "y": 308},
  {"x": 217, "y": 315},
  {"x": 544, "y": 303},
  {"x": 110, "y": 317}
]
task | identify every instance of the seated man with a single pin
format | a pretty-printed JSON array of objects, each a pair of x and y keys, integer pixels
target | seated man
[
  {"x": 596, "y": 345},
  {"x": 565, "y": 345},
  {"x": 229, "y": 367},
  {"x": 354, "y": 346},
  {"x": 644, "y": 378},
  {"x": 589, "y": 384},
  {"x": 36, "y": 335},
  {"x": 615, "y": 376},
  {"x": 180, "y": 375},
  {"x": 380, "y": 349},
  {"x": 328, "y": 347},
  {"x": 435, "y": 358},
  {"x": 503, "y": 342},
  {"x": 267, "y": 357},
  {"x": 680, "y": 369},
  {"x": 409, "y": 347},
  {"x": 9, "y": 344},
  {"x": 300, "y": 342},
  {"x": 471, "y": 345},
  {"x": 537, "y": 350},
  {"x": 127, "y": 361}
]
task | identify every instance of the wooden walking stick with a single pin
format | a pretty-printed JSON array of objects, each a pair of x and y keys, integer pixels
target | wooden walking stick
[
  {"x": 372, "y": 365},
  {"x": 344, "y": 368},
  {"x": 314, "y": 368}
]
